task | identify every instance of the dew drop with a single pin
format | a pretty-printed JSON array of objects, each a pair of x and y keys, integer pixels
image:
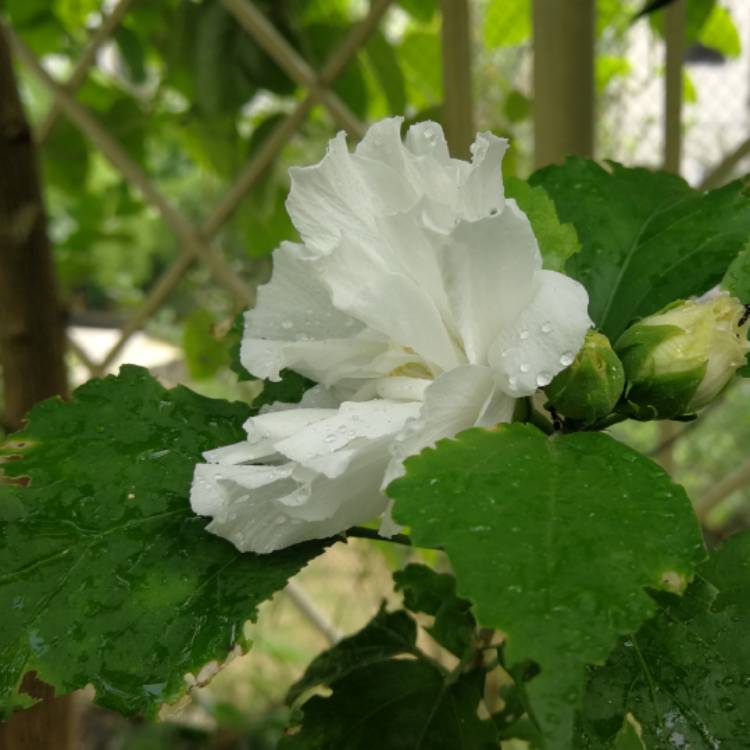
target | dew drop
[
  {"x": 524, "y": 334},
  {"x": 504, "y": 352},
  {"x": 546, "y": 327},
  {"x": 429, "y": 136},
  {"x": 543, "y": 378},
  {"x": 512, "y": 383},
  {"x": 567, "y": 359},
  {"x": 524, "y": 367}
]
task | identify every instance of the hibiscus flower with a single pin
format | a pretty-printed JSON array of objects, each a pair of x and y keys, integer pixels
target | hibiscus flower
[{"x": 417, "y": 301}]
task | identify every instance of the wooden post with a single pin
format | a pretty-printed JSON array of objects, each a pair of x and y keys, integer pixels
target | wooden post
[
  {"x": 31, "y": 350},
  {"x": 674, "y": 35},
  {"x": 563, "y": 79},
  {"x": 458, "y": 108}
]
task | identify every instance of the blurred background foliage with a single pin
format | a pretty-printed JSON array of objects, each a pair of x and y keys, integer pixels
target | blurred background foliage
[{"x": 191, "y": 97}]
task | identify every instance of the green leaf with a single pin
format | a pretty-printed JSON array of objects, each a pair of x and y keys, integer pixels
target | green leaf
[
  {"x": 108, "y": 577},
  {"x": 557, "y": 241},
  {"x": 507, "y": 23},
  {"x": 517, "y": 106},
  {"x": 421, "y": 10},
  {"x": 66, "y": 158},
  {"x": 737, "y": 278},
  {"x": 685, "y": 676},
  {"x": 629, "y": 737},
  {"x": 395, "y": 704},
  {"x": 737, "y": 281},
  {"x": 647, "y": 237},
  {"x": 609, "y": 68},
  {"x": 387, "y": 635},
  {"x": 435, "y": 594},
  {"x": 387, "y": 70},
  {"x": 720, "y": 33},
  {"x": 130, "y": 47},
  {"x": 554, "y": 541},
  {"x": 205, "y": 354}
]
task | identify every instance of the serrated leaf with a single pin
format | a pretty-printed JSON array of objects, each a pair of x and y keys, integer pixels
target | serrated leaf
[
  {"x": 685, "y": 676},
  {"x": 558, "y": 242},
  {"x": 435, "y": 594},
  {"x": 107, "y": 576},
  {"x": 647, "y": 237},
  {"x": 396, "y": 704},
  {"x": 554, "y": 540},
  {"x": 387, "y": 635}
]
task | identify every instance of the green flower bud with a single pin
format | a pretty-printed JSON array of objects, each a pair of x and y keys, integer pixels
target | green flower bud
[
  {"x": 681, "y": 358},
  {"x": 589, "y": 389}
]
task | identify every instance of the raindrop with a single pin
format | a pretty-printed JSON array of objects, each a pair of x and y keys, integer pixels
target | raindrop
[
  {"x": 567, "y": 359},
  {"x": 524, "y": 334},
  {"x": 524, "y": 367},
  {"x": 513, "y": 383},
  {"x": 546, "y": 327},
  {"x": 505, "y": 352},
  {"x": 543, "y": 378}
]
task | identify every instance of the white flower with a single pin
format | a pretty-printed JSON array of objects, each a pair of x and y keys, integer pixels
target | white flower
[{"x": 418, "y": 302}]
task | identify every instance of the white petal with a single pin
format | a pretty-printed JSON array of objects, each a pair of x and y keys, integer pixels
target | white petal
[
  {"x": 343, "y": 194},
  {"x": 363, "y": 284},
  {"x": 481, "y": 191},
  {"x": 459, "y": 399},
  {"x": 318, "y": 445},
  {"x": 262, "y": 509},
  {"x": 545, "y": 338},
  {"x": 295, "y": 324},
  {"x": 488, "y": 270}
]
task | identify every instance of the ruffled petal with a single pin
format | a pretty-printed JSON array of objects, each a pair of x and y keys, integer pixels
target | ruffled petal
[
  {"x": 481, "y": 190},
  {"x": 295, "y": 325},
  {"x": 464, "y": 397},
  {"x": 343, "y": 194},
  {"x": 488, "y": 271},
  {"x": 364, "y": 284},
  {"x": 545, "y": 338}
]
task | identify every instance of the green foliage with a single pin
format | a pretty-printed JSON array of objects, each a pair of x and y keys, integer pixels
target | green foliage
[
  {"x": 558, "y": 242},
  {"x": 384, "y": 62},
  {"x": 507, "y": 23},
  {"x": 205, "y": 354},
  {"x": 435, "y": 594},
  {"x": 108, "y": 577},
  {"x": 737, "y": 281},
  {"x": 685, "y": 675},
  {"x": 647, "y": 237},
  {"x": 412, "y": 704},
  {"x": 534, "y": 546}
]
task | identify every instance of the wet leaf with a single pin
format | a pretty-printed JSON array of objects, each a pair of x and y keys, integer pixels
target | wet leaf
[
  {"x": 685, "y": 676},
  {"x": 554, "y": 541},
  {"x": 106, "y": 575},
  {"x": 647, "y": 238}
]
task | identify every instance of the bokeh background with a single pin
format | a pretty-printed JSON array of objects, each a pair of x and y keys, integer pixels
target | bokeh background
[{"x": 165, "y": 130}]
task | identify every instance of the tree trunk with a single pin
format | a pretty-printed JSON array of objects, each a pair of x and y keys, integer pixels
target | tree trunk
[
  {"x": 31, "y": 351},
  {"x": 31, "y": 320}
]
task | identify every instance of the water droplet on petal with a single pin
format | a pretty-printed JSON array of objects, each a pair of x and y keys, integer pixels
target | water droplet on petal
[
  {"x": 567, "y": 359},
  {"x": 513, "y": 383},
  {"x": 546, "y": 327},
  {"x": 524, "y": 334},
  {"x": 524, "y": 367},
  {"x": 543, "y": 378}
]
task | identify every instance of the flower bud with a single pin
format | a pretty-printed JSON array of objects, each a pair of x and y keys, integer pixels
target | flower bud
[
  {"x": 678, "y": 360},
  {"x": 589, "y": 389}
]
